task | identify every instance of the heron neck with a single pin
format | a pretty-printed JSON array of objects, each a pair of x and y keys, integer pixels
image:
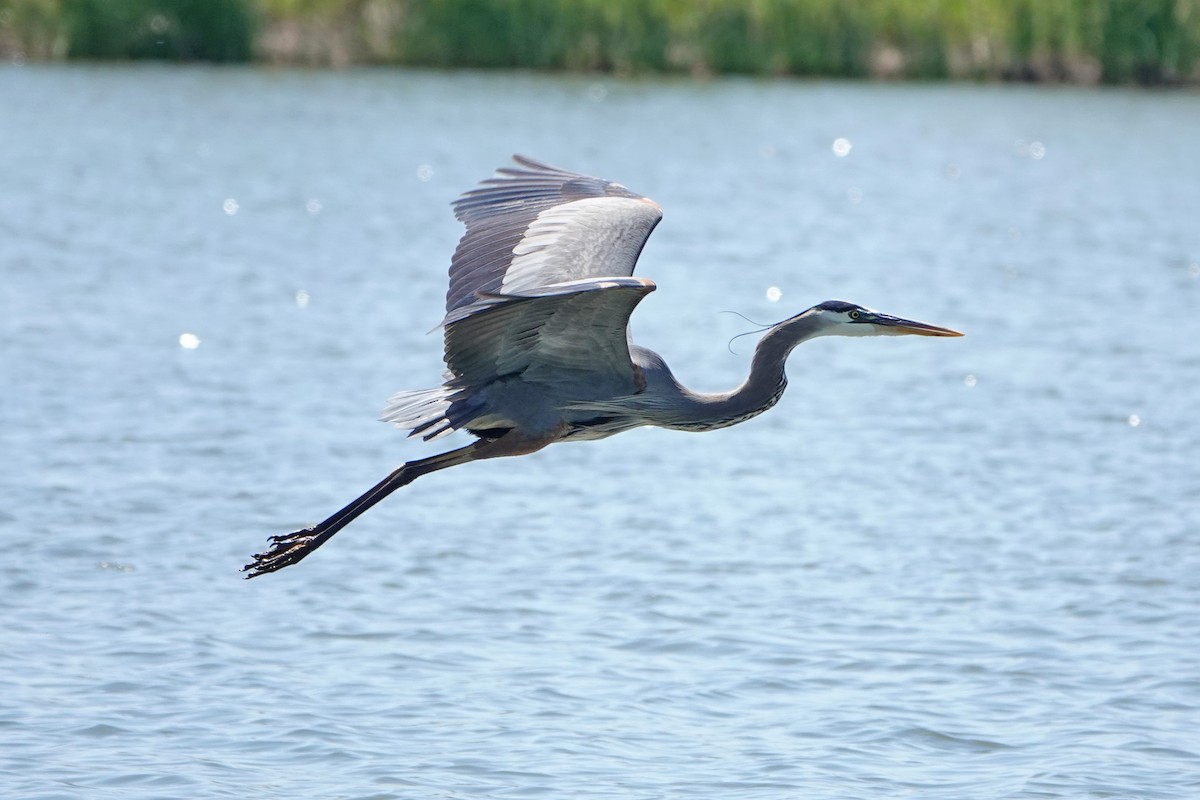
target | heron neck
[{"x": 765, "y": 384}]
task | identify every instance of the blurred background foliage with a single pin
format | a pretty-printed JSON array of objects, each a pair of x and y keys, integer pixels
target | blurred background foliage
[{"x": 1085, "y": 41}]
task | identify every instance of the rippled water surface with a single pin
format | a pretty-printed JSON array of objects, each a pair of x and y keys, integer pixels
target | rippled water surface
[{"x": 940, "y": 568}]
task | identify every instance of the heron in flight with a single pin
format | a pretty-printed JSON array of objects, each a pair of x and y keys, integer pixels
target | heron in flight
[{"x": 537, "y": 347}]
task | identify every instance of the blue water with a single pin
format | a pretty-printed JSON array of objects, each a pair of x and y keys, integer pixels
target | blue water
[{"x": 940, "y": 568}]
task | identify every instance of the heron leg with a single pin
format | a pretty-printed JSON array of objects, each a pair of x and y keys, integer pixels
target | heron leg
[{"x": 291, "y": 548}]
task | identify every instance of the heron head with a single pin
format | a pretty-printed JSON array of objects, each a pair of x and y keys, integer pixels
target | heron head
[{"x": 847, "y": 319}]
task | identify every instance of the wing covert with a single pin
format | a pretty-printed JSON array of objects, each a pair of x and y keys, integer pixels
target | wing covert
[{"x": 572, "y": 336}]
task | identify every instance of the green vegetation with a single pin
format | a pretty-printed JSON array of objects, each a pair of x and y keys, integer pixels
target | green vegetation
[
  {"x": 205, "y": 30},
  {"x": 1115, "y": 41}
]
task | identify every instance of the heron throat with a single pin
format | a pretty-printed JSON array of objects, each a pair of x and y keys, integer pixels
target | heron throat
[{"x": 762, "y": 389}]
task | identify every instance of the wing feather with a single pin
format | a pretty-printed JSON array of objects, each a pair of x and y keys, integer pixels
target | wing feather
[
  {"x": 571, "y": 336},
  {"x": 534, "y": 225}
]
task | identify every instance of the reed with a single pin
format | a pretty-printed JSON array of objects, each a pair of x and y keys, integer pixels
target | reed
[
  {"x": 1089, "y": 41},
  {"x": 208, "y": 30},
  {"x": 30, "y": 29},
  {"x": 1146, "y": 41}
]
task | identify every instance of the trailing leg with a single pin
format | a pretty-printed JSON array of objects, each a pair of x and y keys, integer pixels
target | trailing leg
[{"x": 292, "y": 547}]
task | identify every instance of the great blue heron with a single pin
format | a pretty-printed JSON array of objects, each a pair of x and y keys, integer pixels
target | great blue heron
[{"x": 536, "y": 343}]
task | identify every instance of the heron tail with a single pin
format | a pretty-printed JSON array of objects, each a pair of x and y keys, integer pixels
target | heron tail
[{"x": 422, "y": 412}]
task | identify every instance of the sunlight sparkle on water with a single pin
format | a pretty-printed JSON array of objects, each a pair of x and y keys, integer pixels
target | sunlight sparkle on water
[
  {"x": 189, "y": 341},
  {"x": 842, "y": 147},
  {"x": 1035, "y": 149},
  {"x": 774, "y": 293}
]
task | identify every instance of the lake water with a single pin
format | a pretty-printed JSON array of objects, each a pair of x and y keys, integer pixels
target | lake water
[{"x": 940, "y": 568}]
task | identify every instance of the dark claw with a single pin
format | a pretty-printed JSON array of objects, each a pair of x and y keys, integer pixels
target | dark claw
[
  {"x": 294, "y": 535},
  {"x": 285, "y": 550}
]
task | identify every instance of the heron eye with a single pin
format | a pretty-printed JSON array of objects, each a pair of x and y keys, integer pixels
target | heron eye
[{"x": 854, "y": 315}]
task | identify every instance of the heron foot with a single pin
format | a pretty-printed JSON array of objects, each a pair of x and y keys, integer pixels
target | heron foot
[{"x": 286, "y": 550}]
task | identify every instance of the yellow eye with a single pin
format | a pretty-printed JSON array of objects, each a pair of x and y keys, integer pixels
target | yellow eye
[{"x": 853, "y": 315}]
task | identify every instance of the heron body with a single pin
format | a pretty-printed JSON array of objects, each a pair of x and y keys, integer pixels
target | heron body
[{"x": 537, "y": 348}]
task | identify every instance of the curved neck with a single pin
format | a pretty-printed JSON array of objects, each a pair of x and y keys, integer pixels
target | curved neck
[{"x": 762, "y": 388}]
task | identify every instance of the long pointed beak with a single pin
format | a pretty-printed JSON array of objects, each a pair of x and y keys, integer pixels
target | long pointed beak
[{"x": 903, "y": 326}]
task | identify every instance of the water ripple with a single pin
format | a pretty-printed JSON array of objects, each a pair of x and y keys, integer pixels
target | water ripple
[{"x": 900, "y": 583}]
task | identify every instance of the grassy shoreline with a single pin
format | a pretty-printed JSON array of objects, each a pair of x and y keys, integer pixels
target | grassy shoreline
[{"x": 1075, "y": 41}]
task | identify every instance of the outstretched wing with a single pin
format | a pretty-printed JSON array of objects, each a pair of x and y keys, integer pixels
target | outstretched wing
[
  {"x": 541, "y": 290},
  {"x": 533, "y": 225}
]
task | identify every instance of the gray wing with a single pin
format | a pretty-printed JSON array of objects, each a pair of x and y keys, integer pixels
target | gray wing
[
  {"x": 567, "y": 341},
  {"x": 533, "y": 225}
]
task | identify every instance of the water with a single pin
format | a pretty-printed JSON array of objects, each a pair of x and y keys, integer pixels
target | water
[{"x": 939, "y": 569}]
